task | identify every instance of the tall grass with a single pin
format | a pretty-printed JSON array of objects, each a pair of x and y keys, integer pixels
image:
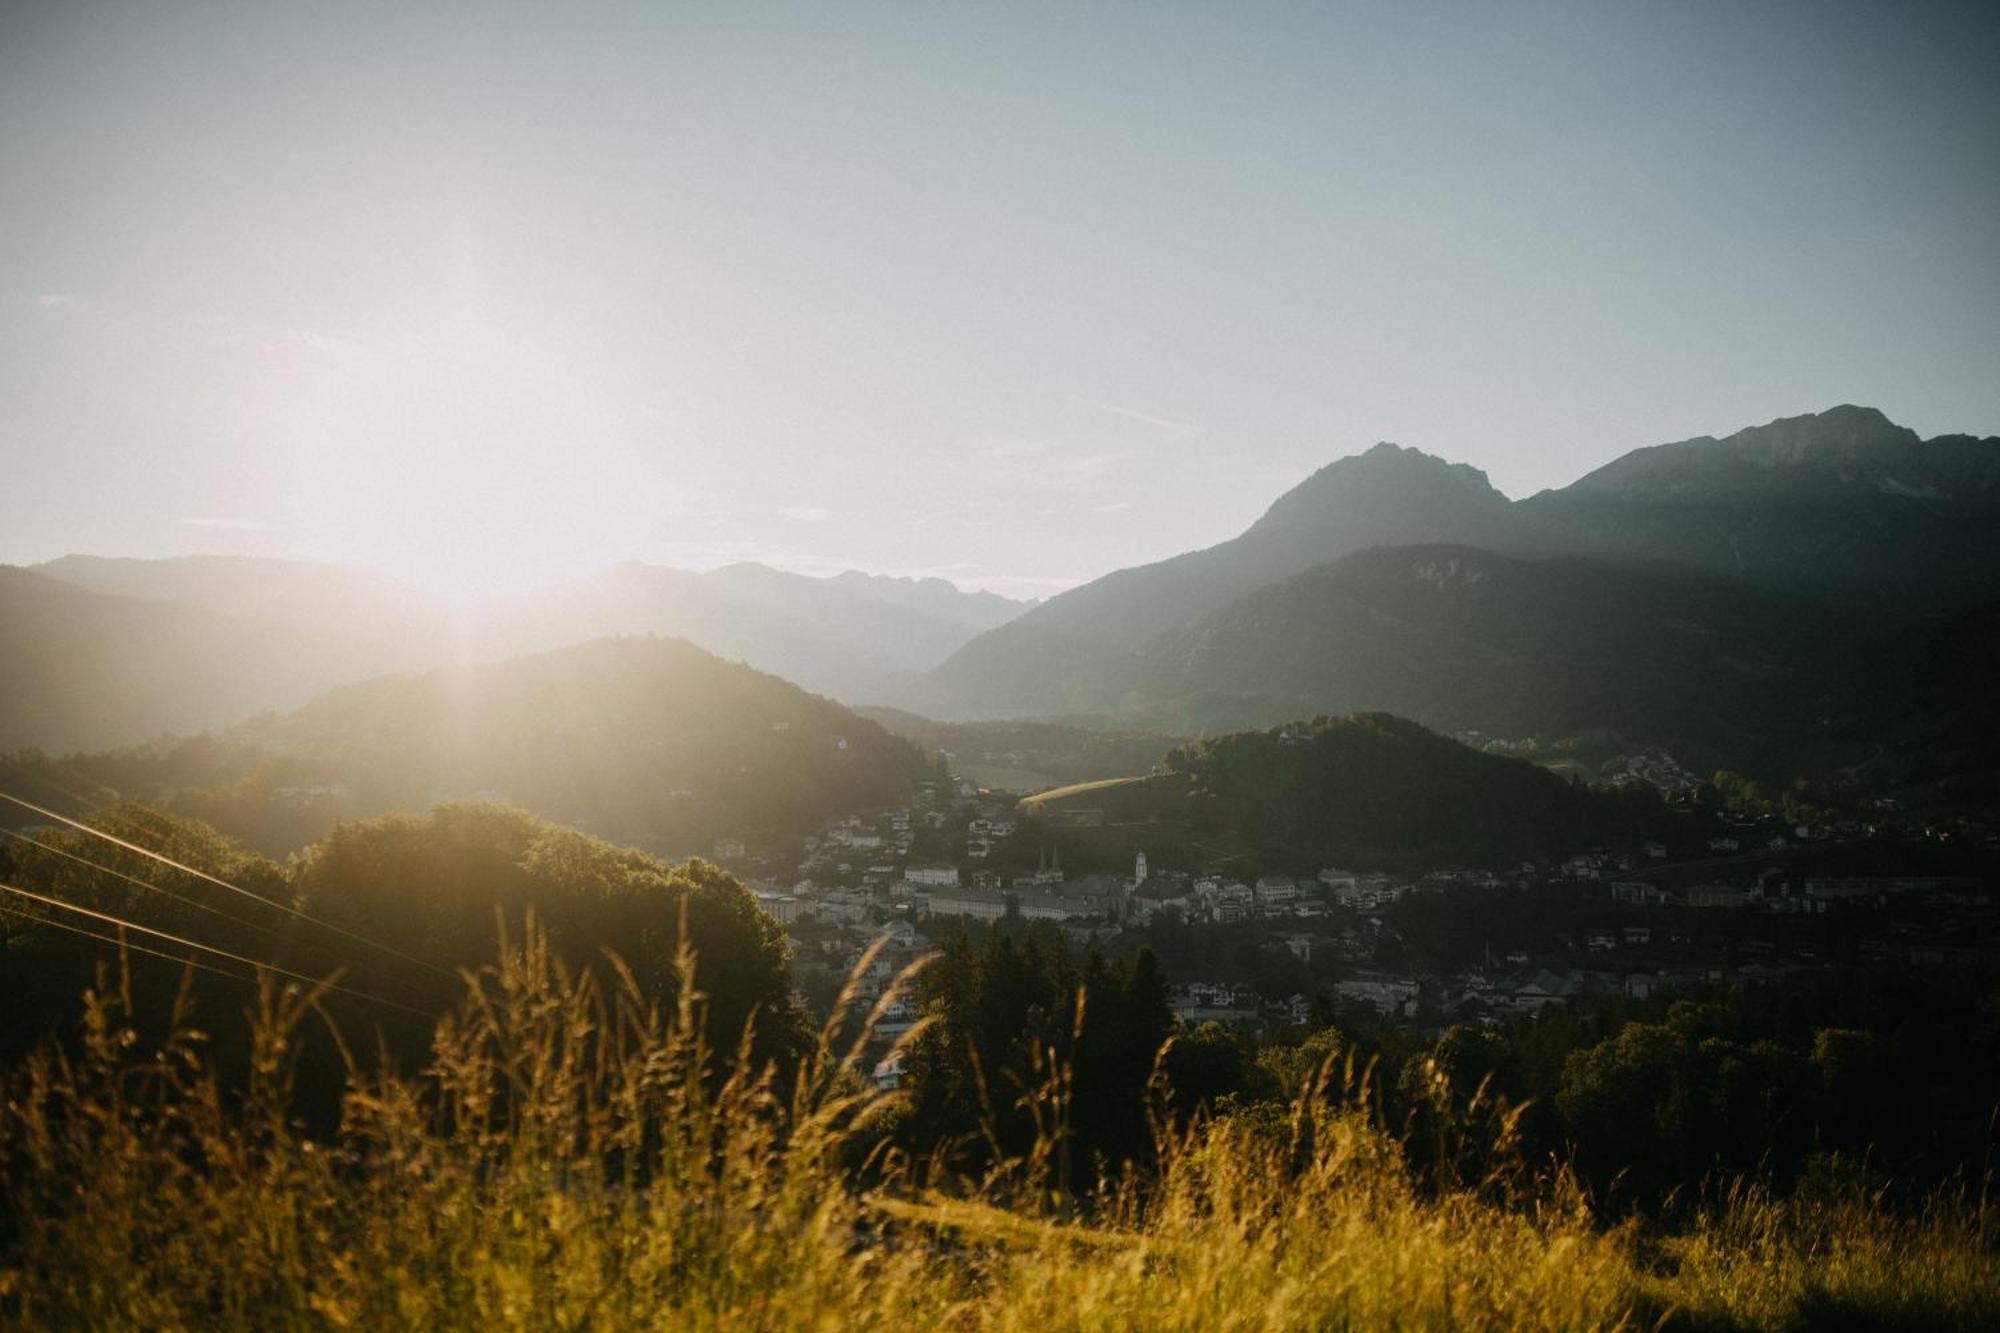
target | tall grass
[{"x": 575, "y": 1157}]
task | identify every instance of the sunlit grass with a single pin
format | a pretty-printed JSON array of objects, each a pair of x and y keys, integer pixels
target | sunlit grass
[{"x": 573, "y": 1159}]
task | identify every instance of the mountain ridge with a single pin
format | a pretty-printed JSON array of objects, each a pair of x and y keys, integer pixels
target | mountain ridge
[
  {"x": 233, "y": 635},
  {"x": 1363, "y": 790},
  {"x": 1781, "y": 514},
  {"x": 81, "y": 669},
  {"x": 646, "y": 740},
  {"x": 1388, "y": 494}
]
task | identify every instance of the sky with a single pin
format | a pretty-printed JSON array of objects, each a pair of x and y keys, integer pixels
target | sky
[{"x": 1013, "y": 294}]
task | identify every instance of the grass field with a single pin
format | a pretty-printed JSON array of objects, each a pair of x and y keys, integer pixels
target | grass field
[{"x": 570, "y": 1161}]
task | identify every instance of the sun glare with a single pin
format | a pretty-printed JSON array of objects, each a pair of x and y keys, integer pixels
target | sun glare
[{"x": 464, "y": 462}]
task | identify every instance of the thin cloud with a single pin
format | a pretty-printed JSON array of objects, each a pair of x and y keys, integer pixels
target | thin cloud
[
  {"x": 806, "y": 513},
  {"x": 1085, "y": 466},
  {"x": 1017, "y": 448},
  {"x": 220, "y": 523},
  {"x": 1059, "y": 461},
  {"x": 1180, "y": 430},
  {"x": 58, "y": 301}
]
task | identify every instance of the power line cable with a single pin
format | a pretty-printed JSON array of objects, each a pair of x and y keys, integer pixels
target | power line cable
[
  {"x": 54, "y": 924},
  {"x": 180, "y": 898},
  {"x": 195, "y": 903},
  {"x": 203, "y": 875},
  {"x": 125, "y": 944},
  {"x": 184, "y": 942}
]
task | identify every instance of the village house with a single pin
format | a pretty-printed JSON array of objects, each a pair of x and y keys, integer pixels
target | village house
[
  {"x": 1198, "y": 1002},
  {"x": 1727, "y": 896},
  {"x": 784, "y": 906},
  {"x": 1390, "y": 996},
  {"x": 1638, "y": 892}
]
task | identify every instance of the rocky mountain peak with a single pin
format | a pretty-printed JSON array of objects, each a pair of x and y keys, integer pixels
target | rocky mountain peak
[
  {"x": 1411, "y": 482},
  {"x": 1844, "y": 446}
]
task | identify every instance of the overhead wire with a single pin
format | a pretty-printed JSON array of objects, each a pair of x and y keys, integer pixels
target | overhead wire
[
  {"x": 54, "y": 924},
  {"x": 101, "y": 868},
  {"x": 109, "y": 919},
  {"x": 204, "y": 876},
  {"x": 137, "y": 810}
]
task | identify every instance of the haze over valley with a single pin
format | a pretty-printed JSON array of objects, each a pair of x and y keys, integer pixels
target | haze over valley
[{"x": 1807, "y": 599}]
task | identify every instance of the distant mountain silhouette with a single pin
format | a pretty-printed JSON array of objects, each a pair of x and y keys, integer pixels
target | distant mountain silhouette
[
  {"x": 1842, "y": 508},
  {"x": 1724, "y": 674},
  {"x": 110, "y": 651},
  {"x": 846, "y": 636},
  {"x": 308, "y": 595},
  {"x": 82, "y": 669},
  {"x": 1762, "y": 599},
  {"x": 1840, "y": 505},
  {"x": 936, "y": 597},
  {"x": 1054, "y": 657},
  {"x": 647, "y": 741}
]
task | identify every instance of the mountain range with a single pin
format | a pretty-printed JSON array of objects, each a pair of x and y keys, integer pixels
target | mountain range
[
  {"x": 1812, "y": 598},
  {"x": 105, "y": 652},
  {"x": 1842, "y": 506},
  {"x": 83, "y": 669},
  {"x": 648, "y": 741},
  {"x": 1801, "y": 597}
]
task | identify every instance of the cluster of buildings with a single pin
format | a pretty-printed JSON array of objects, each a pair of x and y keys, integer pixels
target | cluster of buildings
[
  {"x": 1049, "y": 895},
  {"x": 1331, "y": 944},
  {"x": 1770, "y": 892}
]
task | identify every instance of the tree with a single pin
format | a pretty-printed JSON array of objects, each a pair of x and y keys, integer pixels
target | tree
[
  {"x": 443, "y": 887},
  {"x": 1002, "y": 1008}
]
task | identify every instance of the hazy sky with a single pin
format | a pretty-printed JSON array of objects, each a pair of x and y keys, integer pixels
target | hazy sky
[{"x": 1013, "y": 293}]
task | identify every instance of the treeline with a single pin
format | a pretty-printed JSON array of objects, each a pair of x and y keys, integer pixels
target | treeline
[
  {"x": 1372, "y": 789},
  {"x": 397, "y": 909},
  {"x": 555, "y": 1138},
  {"x": 1892, "y": 1074},
  {"x": 1062, "y": 752},
  {"x": 1014, "y": 1017},
  {"x": 1896, "y": 1069}
]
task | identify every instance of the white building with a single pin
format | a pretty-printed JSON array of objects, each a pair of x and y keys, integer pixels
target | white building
[
  {"x": 783, "y": 906},
  {"x": 979, "y": 904}
]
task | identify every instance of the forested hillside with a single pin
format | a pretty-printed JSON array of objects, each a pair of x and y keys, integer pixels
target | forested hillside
[
  {"x": 1065, "y": 655},
  {"x": 649, "y": 742},
  {"x": 113, "y": 652},
  {"x": 393, "y": 908},
  {"x": 1809, "y": 599},
  {"x": 1841, "y": 506},
  {"x": 1361, "y": 791},
  {"x": 1724, "y": 675},
  {"x": 1019, "y": 755},
  {"x": 83, "y": 670}
]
